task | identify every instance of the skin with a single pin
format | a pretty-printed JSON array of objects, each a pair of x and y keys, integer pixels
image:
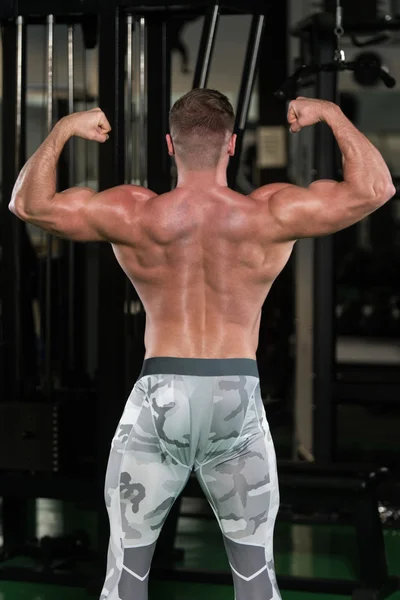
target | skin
[{"x": 203, "y": 257}]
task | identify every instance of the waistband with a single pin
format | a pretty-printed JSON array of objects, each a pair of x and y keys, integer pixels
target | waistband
[{"x": 200, "y": 367}]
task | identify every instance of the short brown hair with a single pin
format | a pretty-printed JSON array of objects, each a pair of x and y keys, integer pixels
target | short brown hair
[{"x": 199, "y": 123}]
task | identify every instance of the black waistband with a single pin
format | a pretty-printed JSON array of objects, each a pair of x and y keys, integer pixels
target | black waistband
[{"x": 200, "y": 367}]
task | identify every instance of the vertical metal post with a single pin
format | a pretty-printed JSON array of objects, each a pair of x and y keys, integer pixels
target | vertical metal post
[
  {"x": 142, "y": 134},
  {"x": 21, "y": 84},
  {"x": 13, "y": 133},
  {"x": 49, "y": 238},
  {"x": 71, "y": 183},
  {"x": 324, "y": 302},
  {"x": 272, "y": 162},
  {"x": 273, "y": 121},
  {"x": 129, "y": 177},
  {"x": 302, "y": 172},
  {"x": 15, "y": 511},
  {"x": 246, "y": 89},
  {"x": 140, "y": 95},
  {"x": 110, "y": 381},
  {"x": 206, "y": 48},
  {"x": 137, "y": 146},
  {"x": 158, "y": 103},
  {"x": 129, "y": 101}
]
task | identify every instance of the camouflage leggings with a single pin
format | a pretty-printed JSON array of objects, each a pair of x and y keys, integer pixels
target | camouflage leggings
[{"x": 186, "y": 414}]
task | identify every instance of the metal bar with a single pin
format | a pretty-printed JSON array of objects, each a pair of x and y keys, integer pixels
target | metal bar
[
  {"x": 50, "y": 71},
  {"x": 110, "y": 379},
  {"x": 7, "y": 291},
  {"x": 158, "y": 103},
  {"x": 142, "y": 134},
  {"x": 15, "y": 515},
  {"x": 206, "y": 48},
  {"x": 12, "y": 368},
  {"x": 140, "y": 94},
  {"x": 86, "y": 104},
  {"x": 325, "y": 413},
  {"x": 302, "y": 173},
  {"x": 49, "y": 238},
  {"x": 19, "y": 353},
  {"x": 42, "y": 8},
  {"x": 271, "y": 74},
  {"x": 129, "y": 101},
  {"x": 63, "y": 9},
  {"x": 246, "y": 89},
  {"x": 71, "y": 183},
  {"x": 129, "y": 178}
]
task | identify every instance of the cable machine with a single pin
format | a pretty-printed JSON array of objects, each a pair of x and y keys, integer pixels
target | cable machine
[
  {"x": 320, "y": 384},
  {"x": 101, "y": 336}
]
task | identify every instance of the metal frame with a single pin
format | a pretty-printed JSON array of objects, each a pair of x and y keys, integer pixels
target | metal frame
[
  {"x": 110, "y": 383},
  {"x": 72, "y": 10},
  {"x": 246, "y": 88},
  {"x": 48, "y": 317},
  {"x": 158, "y": 103},
  {"x": 322, "y": 383},
  {"x": 324, "y": 434},
  {"x": 15, "y": 511},
  {"x": 207, "y": 44},
  {"x": 109, "y": 281},
  {"x": 71, "y": 338},
  {"x": 13, "y": 125}
]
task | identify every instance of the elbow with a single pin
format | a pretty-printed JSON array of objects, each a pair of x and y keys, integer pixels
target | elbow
[
  {"x": 383, "y": 192},
  {"x": 16, "y": 206}
]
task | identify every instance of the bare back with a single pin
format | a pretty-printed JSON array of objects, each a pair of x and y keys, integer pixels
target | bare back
[{"x": 203, "y": 264}]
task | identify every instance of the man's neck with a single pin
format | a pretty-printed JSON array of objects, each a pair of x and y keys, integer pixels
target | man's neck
[{"x": 204, "y": 179}]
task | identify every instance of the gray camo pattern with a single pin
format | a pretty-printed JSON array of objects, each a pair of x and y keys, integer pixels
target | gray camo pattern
[{"x": 171, "y": 425}]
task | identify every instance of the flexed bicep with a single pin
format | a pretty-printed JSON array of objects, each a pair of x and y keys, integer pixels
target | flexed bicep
[
  {"x": 323, "y": 208},
  {"x": 81, "y": 214}
]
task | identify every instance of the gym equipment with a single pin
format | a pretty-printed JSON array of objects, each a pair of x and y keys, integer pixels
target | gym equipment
[
  {"x": 367, "y": 67},
  {"x": 206, "y": 46},
  {"x": 49, "y": 239},
  {"x": 71, "y": 172},
  {"x": 129, "y": 40},
  {"x": 321, "y": 382}
]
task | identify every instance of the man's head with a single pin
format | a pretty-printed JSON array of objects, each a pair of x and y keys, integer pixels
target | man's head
[{"x": 201, "y": 125}]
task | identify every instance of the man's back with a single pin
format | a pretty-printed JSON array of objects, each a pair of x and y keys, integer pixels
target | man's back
[
  {"x": 203, "y": 264},
  {"x": 203, "y": 257}
]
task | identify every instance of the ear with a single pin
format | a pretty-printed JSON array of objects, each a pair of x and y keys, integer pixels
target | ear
[
  {"x": 232, "y": 145},
  {"x": 171, "y": 150}
]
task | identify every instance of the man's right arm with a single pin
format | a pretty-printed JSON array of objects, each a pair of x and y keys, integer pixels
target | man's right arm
[{"x": 328, "y": 206}]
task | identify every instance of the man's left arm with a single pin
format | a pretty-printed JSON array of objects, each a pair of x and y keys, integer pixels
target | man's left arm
[{"x": 78, "y": 214}]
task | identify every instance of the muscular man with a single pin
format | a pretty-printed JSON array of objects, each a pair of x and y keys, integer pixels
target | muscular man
[{"x": 203, "y": 259}]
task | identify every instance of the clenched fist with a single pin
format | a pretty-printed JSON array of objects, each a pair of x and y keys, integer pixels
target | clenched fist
[
  {"x": 307, "y": 111},
  {"x": 90, "y": 125}
]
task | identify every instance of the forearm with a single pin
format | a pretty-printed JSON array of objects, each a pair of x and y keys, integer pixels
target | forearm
[
  {"x": 35, "y": 187},
  {"x": 365, "y": 171}
]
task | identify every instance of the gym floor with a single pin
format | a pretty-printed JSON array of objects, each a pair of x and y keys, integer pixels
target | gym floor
[{"x": 301, "y": 550}]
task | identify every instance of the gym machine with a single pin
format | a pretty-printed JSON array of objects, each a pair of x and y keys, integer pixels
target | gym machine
[
  {"x": 321, "y": 382},
  {"x": 88, "y": 355}
]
